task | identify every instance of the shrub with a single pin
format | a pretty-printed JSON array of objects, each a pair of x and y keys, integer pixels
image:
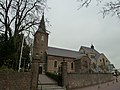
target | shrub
[
  {"x": 57, "y": 78},
  {"x": 52, "y": 75},
  {"x": 5, "y": 69}
]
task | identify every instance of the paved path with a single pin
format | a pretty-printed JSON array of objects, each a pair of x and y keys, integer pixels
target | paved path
[
  {"x": 106, "y": 86},
  {"x": 43, "y": 79}
]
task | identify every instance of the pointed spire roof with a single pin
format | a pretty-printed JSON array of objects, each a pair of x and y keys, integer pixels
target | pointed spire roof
[{"x": 41, "y": 27}]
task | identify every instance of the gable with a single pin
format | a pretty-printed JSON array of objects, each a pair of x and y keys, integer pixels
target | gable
[
  {"x": 102, "y": 56},
  {"x": 91, "y": 52}
]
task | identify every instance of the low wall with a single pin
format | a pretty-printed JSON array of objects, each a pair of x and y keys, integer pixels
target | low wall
[
  {"x": 15, "y": 80},
  {"x": 77, "y": 80}
]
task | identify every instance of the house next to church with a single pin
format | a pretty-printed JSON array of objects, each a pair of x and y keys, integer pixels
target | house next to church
[{"x": 85, "y": 60}]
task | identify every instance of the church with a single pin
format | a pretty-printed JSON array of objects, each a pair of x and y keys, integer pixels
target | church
[{"x": 85, "y": 60}]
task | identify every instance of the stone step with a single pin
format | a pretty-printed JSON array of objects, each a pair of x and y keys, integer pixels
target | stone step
[
  {"x": 50, "y": 87},
  {"x": 46, "y": 83}
]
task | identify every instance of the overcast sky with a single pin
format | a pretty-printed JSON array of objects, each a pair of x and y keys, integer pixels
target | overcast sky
[{"x": 72, "y": 28}]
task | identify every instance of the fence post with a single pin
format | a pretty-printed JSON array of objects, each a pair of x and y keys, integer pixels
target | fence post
[{"x": 35, "y": 74}]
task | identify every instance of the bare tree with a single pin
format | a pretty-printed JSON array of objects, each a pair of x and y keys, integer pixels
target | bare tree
[
  {"x": 19, "y": 15},
  {"x": 111, "y": 7}
]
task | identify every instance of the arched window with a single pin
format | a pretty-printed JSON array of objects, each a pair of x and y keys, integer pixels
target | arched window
[
  {"x": 86, "y": 64},
  {"x": 55, "y": 64},
  {"x": 72, "y": 65}
]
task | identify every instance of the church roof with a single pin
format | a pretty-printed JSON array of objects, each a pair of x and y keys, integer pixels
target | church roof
[
  {"x": 62, "y": 52},
  {"x": 72, "y": 54},
  {"x": 90, "y": 50}
]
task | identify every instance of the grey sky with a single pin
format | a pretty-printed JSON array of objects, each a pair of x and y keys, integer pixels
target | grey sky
[{"x": 72, "y": 28}]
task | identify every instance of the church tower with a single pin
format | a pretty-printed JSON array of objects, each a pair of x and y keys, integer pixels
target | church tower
[{"x": 40, "y": 46}]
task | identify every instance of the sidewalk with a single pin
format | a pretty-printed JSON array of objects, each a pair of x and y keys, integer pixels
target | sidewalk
[{"x": 106, "y": 86}]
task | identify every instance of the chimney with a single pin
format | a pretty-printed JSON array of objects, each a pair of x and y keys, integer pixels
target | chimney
[{"x": 92, "y": 46}]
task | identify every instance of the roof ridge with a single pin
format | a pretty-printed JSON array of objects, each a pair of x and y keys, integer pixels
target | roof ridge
[
  {"x": 90, "y": 49},
  {"x": 86, "y": 47},
  {"x": 63, "y": 49}
]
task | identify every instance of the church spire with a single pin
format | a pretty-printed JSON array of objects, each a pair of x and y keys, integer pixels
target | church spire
[{"x": 41, "y": 27}]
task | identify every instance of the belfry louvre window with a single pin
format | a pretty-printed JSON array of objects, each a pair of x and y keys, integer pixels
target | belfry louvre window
[
  {"x": 55, "y": 64},
  {"x": 92, "y": 56}
]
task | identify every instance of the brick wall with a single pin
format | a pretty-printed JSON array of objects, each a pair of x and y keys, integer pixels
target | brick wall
[
  {"x": 77, "y": 80},
  {"x": 15, "y": 80},
  {"x": 52, "y": 59}
]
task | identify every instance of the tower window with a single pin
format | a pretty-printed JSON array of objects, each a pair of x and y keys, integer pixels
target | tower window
[
  {"x": 42, "y": 38},
  {"x": 37, "y": 54},
  {"x": 41, "y": 44},
  {"x": 55, "y": 64}
]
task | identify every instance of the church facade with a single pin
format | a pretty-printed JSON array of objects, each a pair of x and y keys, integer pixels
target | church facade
[{"x": 50, "y": 58}]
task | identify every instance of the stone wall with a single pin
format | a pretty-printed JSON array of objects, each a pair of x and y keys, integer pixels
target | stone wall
[
  {"x": 83, "y": 64},
  {"x": 15, "y": 80},
  {"x": 77, "y": 80}
]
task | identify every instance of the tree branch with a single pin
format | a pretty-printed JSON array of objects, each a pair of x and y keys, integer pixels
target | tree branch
[
  {"x": 2, "y": 21},
  {"x": 1, "y": 5},
  {"x": 112, "y": 8},
  {"x": 28, "y": 12}
]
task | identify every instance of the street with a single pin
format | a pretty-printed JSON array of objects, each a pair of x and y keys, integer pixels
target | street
[{"x": 106, "y": 86}]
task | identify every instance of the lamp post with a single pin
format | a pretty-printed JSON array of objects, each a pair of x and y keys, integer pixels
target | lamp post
[{"x": 21, "y": 54}]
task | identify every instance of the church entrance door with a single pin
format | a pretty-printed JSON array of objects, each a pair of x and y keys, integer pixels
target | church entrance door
[{"x": 40, "y": 70}]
